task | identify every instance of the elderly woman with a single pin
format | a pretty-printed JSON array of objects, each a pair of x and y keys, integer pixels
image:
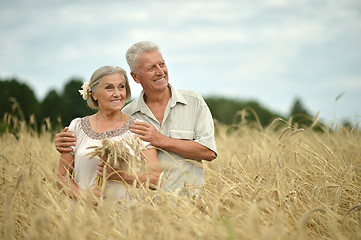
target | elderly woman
[{"x": 107, "y": 91}]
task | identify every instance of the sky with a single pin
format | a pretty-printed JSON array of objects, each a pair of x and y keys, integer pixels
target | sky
[{"x": 269, "y": 51}]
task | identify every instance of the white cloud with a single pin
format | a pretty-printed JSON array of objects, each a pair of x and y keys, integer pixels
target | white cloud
[
  {"x": 269, "y": 50},
  {"x": 353, "y": 83}
]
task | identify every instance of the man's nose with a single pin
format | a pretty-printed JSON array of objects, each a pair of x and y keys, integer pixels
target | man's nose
[{"x": 159, "y": 70}]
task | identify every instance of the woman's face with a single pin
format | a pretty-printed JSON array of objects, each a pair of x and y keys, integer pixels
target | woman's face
[{"x": 111, "y": 93}]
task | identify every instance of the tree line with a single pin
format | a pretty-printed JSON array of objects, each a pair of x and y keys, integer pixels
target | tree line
[{"x": 59, "y": 108}]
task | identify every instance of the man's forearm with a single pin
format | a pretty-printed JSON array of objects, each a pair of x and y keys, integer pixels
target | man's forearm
[{"x": 187, "y": 148}]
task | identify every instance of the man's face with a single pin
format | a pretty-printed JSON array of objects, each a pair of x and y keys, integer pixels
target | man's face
[{"x": 152, "y": 72}]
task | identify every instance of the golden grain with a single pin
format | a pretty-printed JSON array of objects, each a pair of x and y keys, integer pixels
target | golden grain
[
  {"x": 126, "y": 155},
  {"x": 273, "y": 183}
]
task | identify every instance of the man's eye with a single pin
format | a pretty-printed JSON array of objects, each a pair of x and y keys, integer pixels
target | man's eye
[{"x": 108, "y": 87}]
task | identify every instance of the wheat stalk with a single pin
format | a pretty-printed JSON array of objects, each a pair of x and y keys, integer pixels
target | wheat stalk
[{"x": 125, "y": 155}]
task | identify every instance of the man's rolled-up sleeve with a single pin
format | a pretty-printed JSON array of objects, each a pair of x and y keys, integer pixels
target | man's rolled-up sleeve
[{"x": 204, "y": 128}]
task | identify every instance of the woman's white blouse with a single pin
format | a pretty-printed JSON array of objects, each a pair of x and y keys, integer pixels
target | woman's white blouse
[{"x": 84, "y": 172}]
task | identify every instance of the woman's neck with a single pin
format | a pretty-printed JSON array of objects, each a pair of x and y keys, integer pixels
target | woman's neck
[
  {"x": 109, "y": 115},
  {"x": 106, "y": 121}
]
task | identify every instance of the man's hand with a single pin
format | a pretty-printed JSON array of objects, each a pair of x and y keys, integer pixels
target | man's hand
[
  {"x": 186, "y": 148},
  {"x": 64, "y": 141},
  {"x": 147, "y": 133}
]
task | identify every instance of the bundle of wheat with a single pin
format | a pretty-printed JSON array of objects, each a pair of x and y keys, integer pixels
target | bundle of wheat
[{"x": 125, "y": 155}]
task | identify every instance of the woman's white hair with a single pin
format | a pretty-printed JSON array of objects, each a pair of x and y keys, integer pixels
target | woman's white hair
[
  {"x": 98, "y": 76},
  {"x": 134, "y": 52}
]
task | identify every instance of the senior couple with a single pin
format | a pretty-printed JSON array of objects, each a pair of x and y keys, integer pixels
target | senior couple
[{"x": 176, "y": 127}]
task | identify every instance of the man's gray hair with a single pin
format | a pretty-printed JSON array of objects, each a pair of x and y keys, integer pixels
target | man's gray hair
[
  {"x": 134, "y": 52},
  {"x": 97, "y": 77}
]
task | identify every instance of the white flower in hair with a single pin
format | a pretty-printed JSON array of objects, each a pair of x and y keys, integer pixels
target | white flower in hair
[{"x": 85, "y": 90}]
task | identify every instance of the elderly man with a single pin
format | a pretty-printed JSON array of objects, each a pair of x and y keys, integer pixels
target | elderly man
[{"x": 176, "y": 121}]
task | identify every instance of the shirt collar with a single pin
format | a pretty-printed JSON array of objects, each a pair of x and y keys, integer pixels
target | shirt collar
[
  {"x": 141, "y": 106},
  {"x": 176, "y": 97}
]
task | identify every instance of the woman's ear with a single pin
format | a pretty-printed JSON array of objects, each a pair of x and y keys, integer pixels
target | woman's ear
[{"x": 94, "y": 96}]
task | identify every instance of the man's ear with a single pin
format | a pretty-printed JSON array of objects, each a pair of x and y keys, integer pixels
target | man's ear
[{"x": 135, "y": 76}]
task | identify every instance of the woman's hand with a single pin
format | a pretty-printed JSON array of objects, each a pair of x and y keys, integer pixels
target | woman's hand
[
  {"x": 92, "y": 196},
  {"x": 152, "y": 175},
  {"x": 111, "y": 173},
  {"x": 115, "y": 174},
  {"x": 95, "y": 196}
]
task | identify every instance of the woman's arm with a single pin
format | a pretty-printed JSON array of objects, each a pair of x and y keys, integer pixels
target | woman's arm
[{"x": 65, "y": 181}]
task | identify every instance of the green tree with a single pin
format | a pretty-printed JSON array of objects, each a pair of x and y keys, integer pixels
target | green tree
[
  {"x": 300, "y": 114},
  {"x": 13, "y": 92},
  {"x": 77, "y": 106},
  {"x": 54, "y": 107},
  {"x": 229, "y": 111},
  {"x": 264, "y": 115}
]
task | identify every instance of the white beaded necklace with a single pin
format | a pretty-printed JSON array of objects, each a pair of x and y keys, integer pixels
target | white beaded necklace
[{"x": 116, "y": 125}]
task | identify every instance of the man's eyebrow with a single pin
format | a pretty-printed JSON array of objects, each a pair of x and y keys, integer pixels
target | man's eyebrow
[{"x": 153, "y": 65}]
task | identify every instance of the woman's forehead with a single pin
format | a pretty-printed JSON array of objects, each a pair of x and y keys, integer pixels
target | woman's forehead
[{"x": 113, "y": 78}]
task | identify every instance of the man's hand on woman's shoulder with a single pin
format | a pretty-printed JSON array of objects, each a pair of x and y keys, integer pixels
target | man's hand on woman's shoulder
[{"x": 64, "y": 141}]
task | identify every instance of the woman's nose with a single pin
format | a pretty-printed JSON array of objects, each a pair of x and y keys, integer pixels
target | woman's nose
[{"x": 116, "y": 92}]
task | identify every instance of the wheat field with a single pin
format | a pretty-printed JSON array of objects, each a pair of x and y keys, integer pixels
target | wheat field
[{"x": 279, "y": 182}]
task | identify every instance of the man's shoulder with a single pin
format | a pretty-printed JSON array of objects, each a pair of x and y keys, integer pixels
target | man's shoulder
[
  {"x": 188, "y": 93},
  {"x": 130, "y": 104},
  {"x": 127, "y": 109}
]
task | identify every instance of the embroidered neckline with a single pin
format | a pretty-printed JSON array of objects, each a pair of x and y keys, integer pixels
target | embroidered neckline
[{"x": 85, "y": 125}]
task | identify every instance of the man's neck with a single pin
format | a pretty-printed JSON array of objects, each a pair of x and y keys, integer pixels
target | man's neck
[
  {"x": 157, "y": 103},
  {"x": 158, "y": 98}
]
